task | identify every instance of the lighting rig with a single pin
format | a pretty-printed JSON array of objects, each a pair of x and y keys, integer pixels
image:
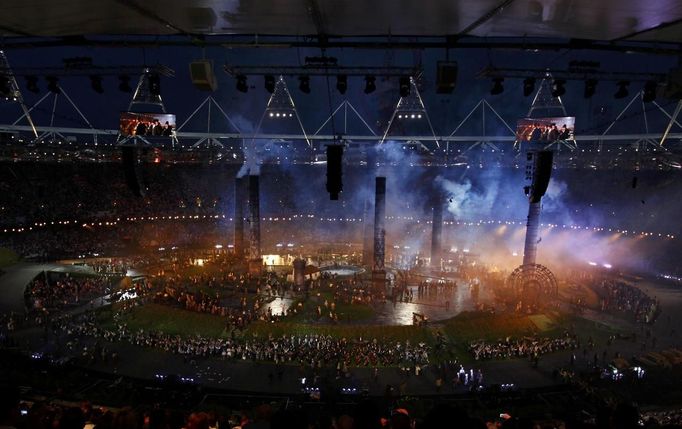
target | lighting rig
[
  {"x": 586, "y": 72},
  {"x": 83, "y": 66},
  {"x": 416, "y": 115},
  {"x": 322, "y": 66}
]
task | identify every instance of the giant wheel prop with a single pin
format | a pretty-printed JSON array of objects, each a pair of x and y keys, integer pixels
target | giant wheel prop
[{"x": 533, "y": 285}]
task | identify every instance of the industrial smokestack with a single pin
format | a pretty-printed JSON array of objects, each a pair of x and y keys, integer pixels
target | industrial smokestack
[
  {"x": 530, "y": 249},
  {"x": 254, "y": 219},
  {"x": 239, "y": 200},
  {"x": 379, "y": 227},
  {"x": 378, "y": 271},
  {"x": 436, "y": 233},
  {"x": 367, "y": 242}
]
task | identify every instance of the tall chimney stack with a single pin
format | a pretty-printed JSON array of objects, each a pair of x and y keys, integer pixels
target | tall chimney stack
[
  {"x": 367, "y": 239},
  {"x": 239, "y": 200},
  {"x": 255, "y": 261},
  {"x": 436, "y": 234},
  {"x": 378, "y": 269}
]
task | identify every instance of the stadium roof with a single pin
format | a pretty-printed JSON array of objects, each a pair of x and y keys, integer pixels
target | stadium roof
[{"x": 600, "y": 20}]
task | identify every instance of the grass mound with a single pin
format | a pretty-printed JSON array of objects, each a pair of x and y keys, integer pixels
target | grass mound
[
  {"x": 469, "y": 326},
  {"x": 175, "y": 321}
]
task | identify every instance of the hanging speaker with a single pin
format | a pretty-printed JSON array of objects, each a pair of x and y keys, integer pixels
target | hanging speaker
[
  {"x": 202, "y": 75},
  {"x": 446, "y": 77},
  {"x": 541, "y": 174},
  {"x": 130, "y": 170},
  {"x": 334, "y": 171}
]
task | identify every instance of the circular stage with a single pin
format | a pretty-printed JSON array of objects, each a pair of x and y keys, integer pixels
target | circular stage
[{"x": 342, "y": 270}]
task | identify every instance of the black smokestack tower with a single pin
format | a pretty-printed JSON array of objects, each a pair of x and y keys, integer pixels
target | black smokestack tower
[
  {"x": 239, "y": 200},
  {"x": 436, "y": 236},
  {"x": 378, "y": 269},
  {"x": 367, "y": 239},
  {"x": 542, "y": 170},
  {"x": 255, "y": 261}
]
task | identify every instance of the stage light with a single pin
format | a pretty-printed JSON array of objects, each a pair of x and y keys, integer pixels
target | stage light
[
  {"x": 53, "y": 84},
  {"x": 649, "y": 93},
  {"x": 270, "y": 83},
  {"x": 124, "y": 83},
  {"x": 342, "y": 83},
  {"x": 154, "y": 81},
  {"x": 590, "y": 88},
  {"x": 404, "y": 86},
  {"x": 32, "y": 84},
  {"x": 528, "y": 86},
  {"x": 96, "y": 83},
  {"x": 304, "y": 84},
  {"x": 622, "y": 89},
  {"x": 242, "y": 86},
  {"x": 558, "y": 88},
  {"x": 498, "y": 87},
  {"x": 370, "y": 84}
]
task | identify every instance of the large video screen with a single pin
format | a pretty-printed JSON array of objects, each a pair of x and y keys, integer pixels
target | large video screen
[
  {"x": 146, "y": 124},
  {"x": 545, "y": 130}
]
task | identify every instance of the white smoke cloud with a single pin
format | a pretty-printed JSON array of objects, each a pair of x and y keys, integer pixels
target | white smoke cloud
[
  {"x": 556, "y": 190},
  {"x": 466, "y": 202},
  {"x": 251, "y": 157}
]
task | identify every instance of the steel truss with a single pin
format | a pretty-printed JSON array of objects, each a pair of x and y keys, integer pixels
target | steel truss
[
  {"x": 369, "y": 139},
  {"x": 209, "y": 141},
  {"x": 281, "y": 101},
  {"x": 144, "y": 96},
  {"x": 412, "y": 103},
  {"x": 656, "y": 141},
  {"x": 481, "y": 141}
]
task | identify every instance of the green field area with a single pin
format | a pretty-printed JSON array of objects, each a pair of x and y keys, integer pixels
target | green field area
[
  {"x": 345, "y": 312},
  {"x": 378, "y": 332},
  {"x": 458, "y": 331},
  {"x": 464, "y": 327},
  {"x": 7, "y": 257},
  {"x": 469, "y": 326},
  {"x": 170, "y": 320}
]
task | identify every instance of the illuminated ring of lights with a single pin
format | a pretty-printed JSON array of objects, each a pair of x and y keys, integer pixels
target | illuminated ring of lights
[{"x": 533, "y": 282}]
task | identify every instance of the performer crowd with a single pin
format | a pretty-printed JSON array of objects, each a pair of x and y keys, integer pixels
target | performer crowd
[
  {"x": 315, "y": 351},
  {"x": 526, "y": 347},
  {"x": 42, "y": 294},
  {"x": 619, "y": 296}
]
